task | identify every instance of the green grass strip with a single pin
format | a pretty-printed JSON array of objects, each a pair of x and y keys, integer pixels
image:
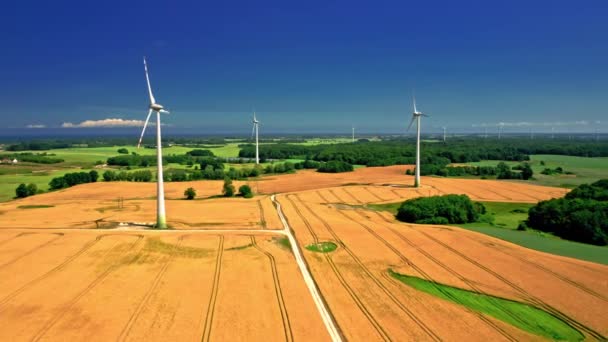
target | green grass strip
[
  {"x": 322, "y": 247},
  {"x": 35, "y": 206},
  {"x": 523, "y": 316}
]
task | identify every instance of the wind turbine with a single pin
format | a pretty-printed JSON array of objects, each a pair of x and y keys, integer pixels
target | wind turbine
[
  {"x": 161, "y": 220},
  {"x": 416, "y": 116},
  {"x": 444, "y": 129},
  {"x": 254, "y": 129},
  {"x": 500, "y": 126},
  {"x": 353, "y": 133}
]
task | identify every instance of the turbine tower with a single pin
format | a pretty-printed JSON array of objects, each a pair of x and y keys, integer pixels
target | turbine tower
[
  {"x": 444, "y": 129},
  {"x": 161, "y": 220},
  {"x": 353, "y": 140},
  {"x": 254, "y": 129},
  {"x": 500, "y": 126},
  {"x": 416, "y": 116}
]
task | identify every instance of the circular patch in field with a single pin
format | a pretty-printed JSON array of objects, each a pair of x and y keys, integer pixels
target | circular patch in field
[{"x": 322, "y": 247}]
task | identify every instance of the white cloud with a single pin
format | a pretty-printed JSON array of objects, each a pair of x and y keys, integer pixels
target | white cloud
[
  {"x": 36, "y": 126},
  {"x": 110, "y": 122}
]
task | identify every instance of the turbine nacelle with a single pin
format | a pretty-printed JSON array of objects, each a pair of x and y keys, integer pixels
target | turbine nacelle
[{"x": 158, "y": 108}]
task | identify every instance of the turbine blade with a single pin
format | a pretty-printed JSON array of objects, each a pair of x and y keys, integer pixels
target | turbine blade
[
  {"x": 152, "y": 101},
  {"x": 141, "y": 137},
  {"x": 414, "y": 99},
  {"x": 411, "y": 123},
  {"x": 164, "y": 111}
]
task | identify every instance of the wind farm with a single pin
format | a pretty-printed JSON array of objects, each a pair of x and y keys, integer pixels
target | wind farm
[{"x": 486, "y": 223}]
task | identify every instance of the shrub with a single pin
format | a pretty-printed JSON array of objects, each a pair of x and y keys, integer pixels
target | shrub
[
  {"x": 122, "y": 151},
  {"x": 190, "y": 193},
  {"x": 245, "y": 191},
  {"x": 228, "y": 189},
  {"x": 440, "y": 210},
  {"x": 32, "y": 189},
  {"x": 21, "y": 191},
  {"x": 94, "y": 175}
]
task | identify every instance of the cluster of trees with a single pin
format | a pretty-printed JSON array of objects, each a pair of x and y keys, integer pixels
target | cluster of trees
[
  {"x": 228, "y": 189},
  {"x": 501, "y": 170},
  {"x": 37, "y": 145},
  {"x": 39, "y": 158},
  {"x": 23, "y": 190},
  {"x": 400, "y": 151},
  {"x": 440, "y": 210},
  {"x": 74, "y": 178},
  {"x": 123, "y": 176},
  {"x": 557, "y": 171},
  {"x": 133, "y": 160},
  {"x": 581, "y": 216},
  {"x": 123, "y": 151},
  {"x": 335, "y": 166}
]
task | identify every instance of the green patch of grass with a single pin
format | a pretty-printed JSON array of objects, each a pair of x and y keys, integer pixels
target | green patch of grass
[
  {"x": 390, "y": 207},
  {"x": 35, "y": 206},
  {"x": 322, "y": 247},
  {"x": 237, "y": 248},
  {"x": 523, "y": 316},
  {"x": 507, "y": 215},
  {"x": 283, "y": 242}
]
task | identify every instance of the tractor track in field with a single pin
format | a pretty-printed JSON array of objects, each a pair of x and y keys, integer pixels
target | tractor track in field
[
  {"x": 565, "y": 279},
  {"x": 374, "y": 279},
  {"x": 527, "y": 295},
  {"x": 407, "y": 261},
  {"x": 214, "y": 290},
  {"x": 277, "y": 290},
  {"x": 49, "y": 324},
  {"x": 370, "y": 318},
  {"x": 350, "y": 194},
  {"x": 262, "y": 217},
  {"x": 374, "y": 194},
  {"x": 124, "y": 334},
  {"x": 13, "y": 238},
  {"x": 42, "y": 245},
  {"x": 57, "y": 268}
]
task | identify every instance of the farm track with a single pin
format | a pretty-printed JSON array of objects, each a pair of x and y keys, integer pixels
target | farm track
[
  {"x": 277, "y": 290},
  {"x": 42, "y": 245},
  {"x": 549, "y": 271},
  {"x": 135, "y": 315},
  {"x": 384, "y": 289},
  {"x": 57, "y": 268},
  {"x": 262, "y": 217},
  {"x": 12, "y": 238},
  {"x": 340, "y": 277},
  {"x": 530, "y": 297},
  {"x": 82, "y": 293},
  {"x": 404, "y": 259},
  {"x": 216, "y": 280}
]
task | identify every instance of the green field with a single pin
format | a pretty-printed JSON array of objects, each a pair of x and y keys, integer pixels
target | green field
[
  {"x": 523, "y": 316},
  {"x": 506, "y": 218},
  {"x": 586, "y": 170}
]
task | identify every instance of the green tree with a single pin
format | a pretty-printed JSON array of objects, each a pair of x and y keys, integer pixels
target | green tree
[
  {"x": 526, "y": 171},
  {"x": 228, "y": 189},
  {"x": 32, "y": 189},
  {"x": 190, "y": 193},
  {"x": 21, "y": 191},
  {"x": 123, "y": 151},
  {"x": 94, "y": 175},
  {"x": 245, "y": 191}
]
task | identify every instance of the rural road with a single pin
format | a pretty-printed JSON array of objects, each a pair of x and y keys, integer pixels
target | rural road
[{"x": 312, "y": 287}]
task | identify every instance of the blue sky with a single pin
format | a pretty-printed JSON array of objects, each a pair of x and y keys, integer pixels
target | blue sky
[{"x": 308, "y": 66}]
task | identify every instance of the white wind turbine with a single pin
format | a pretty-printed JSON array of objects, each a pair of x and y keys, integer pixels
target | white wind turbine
[
  {"x": 161, "y": 220},
  {"x": 254, "y": 129},
  {"x": 416, "y": 116},
  {"x": 353, "y": 126},
  {"x": 444, "y": 132}
]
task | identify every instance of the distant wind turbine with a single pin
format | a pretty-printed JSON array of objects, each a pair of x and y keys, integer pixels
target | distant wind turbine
[
  {"x": 161, "y": 220},
  {"x": 500, "y": 127},
  {"x": 416, "y": 117},
  {"x": 353, "y": 133},
  {"x": 552, "y": 132},
  {"x": 255, "y": 128},
  {"x": 444, "y": 130}
]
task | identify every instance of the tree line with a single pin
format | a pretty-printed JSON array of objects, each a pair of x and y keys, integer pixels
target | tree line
[{"x": 582, "y": 215}]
